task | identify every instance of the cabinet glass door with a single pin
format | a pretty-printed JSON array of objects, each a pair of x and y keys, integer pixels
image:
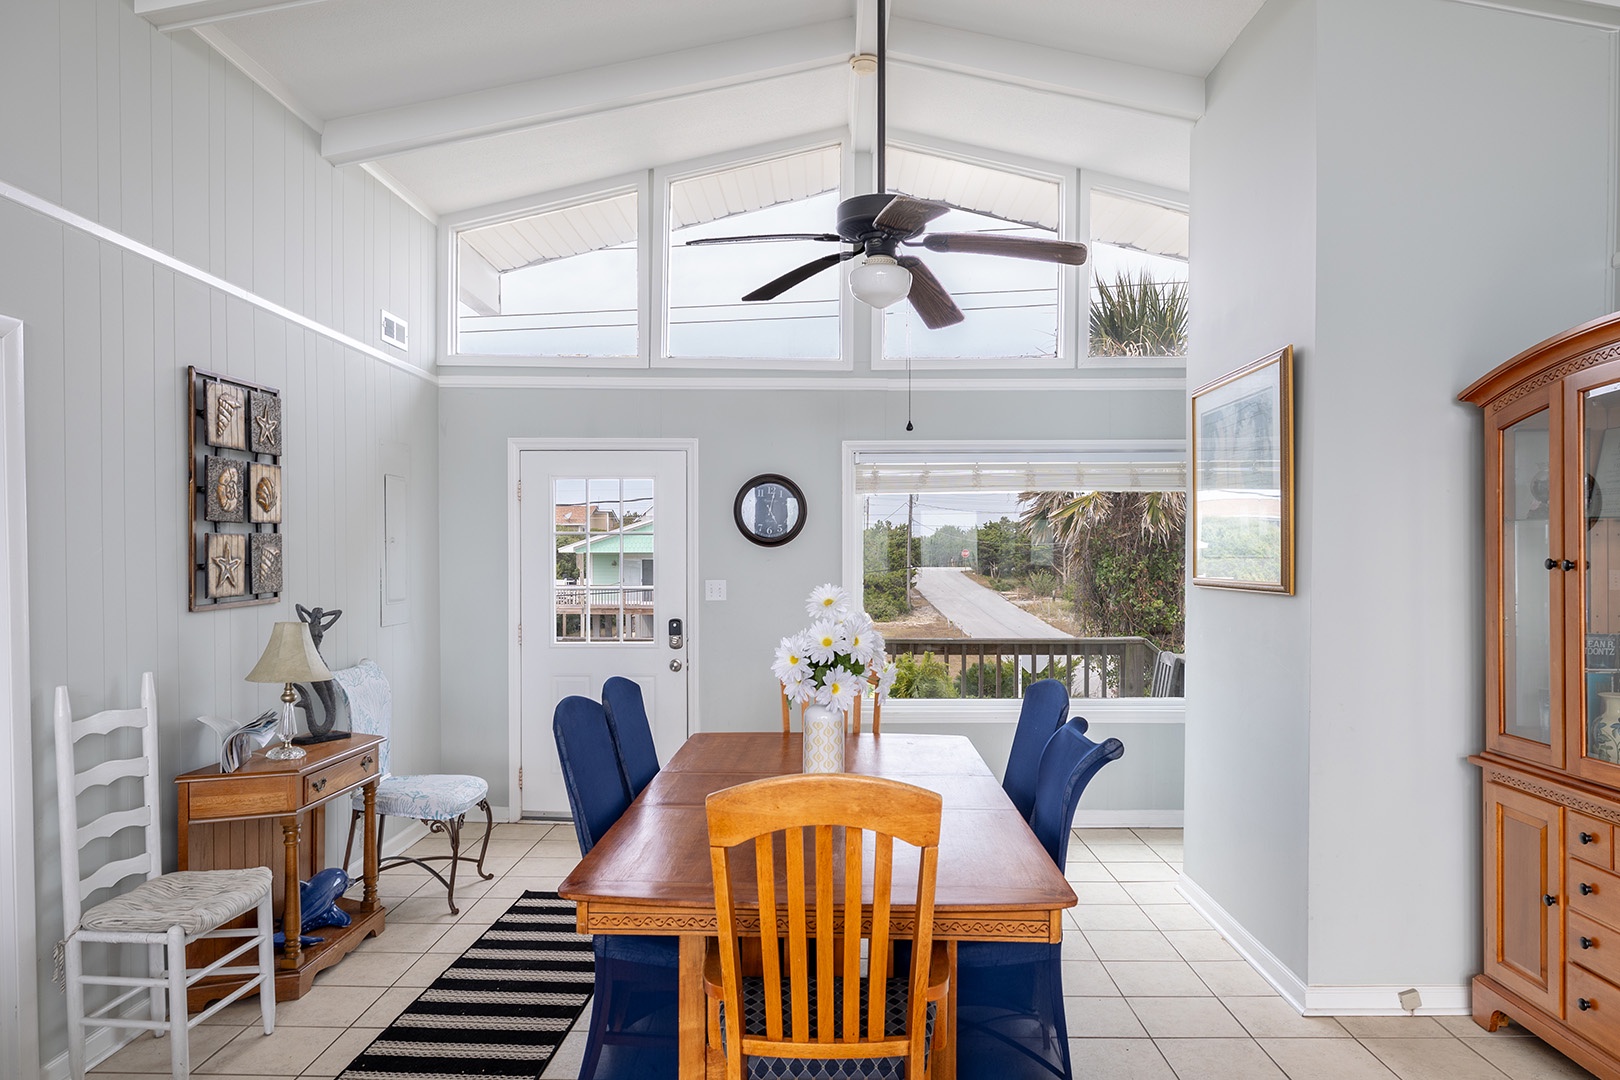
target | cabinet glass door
[
  {"x": 1527, "y": 583},
  {"x": 1600, "y": 451}
]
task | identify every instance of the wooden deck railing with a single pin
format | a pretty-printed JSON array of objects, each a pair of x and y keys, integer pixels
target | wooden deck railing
[{"x": 1001, "y": 667}]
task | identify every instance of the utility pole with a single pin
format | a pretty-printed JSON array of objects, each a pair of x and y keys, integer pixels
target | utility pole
[{"x": 911, "y": 507}]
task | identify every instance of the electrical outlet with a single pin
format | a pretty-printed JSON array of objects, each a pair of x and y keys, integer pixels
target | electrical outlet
[
  {"x": 714, "y": 590},
  {"x": 1411, "y": 1000}
]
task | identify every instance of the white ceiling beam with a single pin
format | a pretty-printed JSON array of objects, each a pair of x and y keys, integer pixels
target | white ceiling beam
[
  {"x": 1603, "y": 14},
  {"x": 368, "y": 136},
  {"x": 171, "y": 15},
  {"x": 1041, "y": 68}
]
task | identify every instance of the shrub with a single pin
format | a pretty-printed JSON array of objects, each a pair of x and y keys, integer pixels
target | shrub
[
  {"x": 884, "y": 595},
  {"x": 922, "y": 676}
]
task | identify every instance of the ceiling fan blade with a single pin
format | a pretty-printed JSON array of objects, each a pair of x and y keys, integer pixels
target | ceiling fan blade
[
  {"x": 772, "y": 289},
  {"x": 906, "y": 215},
  {"x": 831, "y": 238},
  {"x": 934, "y": 305},
  {"x": 1018, "y": 247}
]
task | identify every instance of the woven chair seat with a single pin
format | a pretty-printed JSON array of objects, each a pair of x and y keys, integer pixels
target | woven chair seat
[
  {"x": 194, "y": 900},
  {"x": 430, "y": 797},
  {"x": 774, "y": 1068}
]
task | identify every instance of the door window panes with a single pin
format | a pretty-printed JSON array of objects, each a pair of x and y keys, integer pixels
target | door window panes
[
  {"x": 606, "y": 559},
  {"x": 1601, "y": 523},
  {"x": 559, "y": 283},
  {"x": 1526, "y": 581}
]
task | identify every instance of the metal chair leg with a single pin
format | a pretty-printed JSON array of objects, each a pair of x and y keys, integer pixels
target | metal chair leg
[
  {"x": 348, "y": 848},
  {"x": 489, "y": 827},
  {"x": 452, "y": 829}
]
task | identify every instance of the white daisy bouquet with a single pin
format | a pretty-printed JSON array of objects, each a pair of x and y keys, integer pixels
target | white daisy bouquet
[{"x": 835, "y": 659}]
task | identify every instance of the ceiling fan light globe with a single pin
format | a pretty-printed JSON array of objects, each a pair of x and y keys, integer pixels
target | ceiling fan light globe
[{"x": 879, "y": 281}]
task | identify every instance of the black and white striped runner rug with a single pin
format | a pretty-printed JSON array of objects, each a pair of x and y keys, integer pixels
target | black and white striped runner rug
[{"x": 501, "y": 1010}]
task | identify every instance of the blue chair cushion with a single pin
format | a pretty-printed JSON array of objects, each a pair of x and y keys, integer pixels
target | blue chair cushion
[
  {"x": 774, "y": 1068},
  {"x": 429, "y": 797}
]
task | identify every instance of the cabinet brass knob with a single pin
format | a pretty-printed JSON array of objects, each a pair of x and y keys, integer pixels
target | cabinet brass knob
[
  {"x": 1551, "y": 564},
  {"x": 1586, "y": 943},
  {"x": 1550, "y": 900},
  {"x": 1587, "y": 890},
  {"x": 318, "y": 786},
  {"x": 1583, "y": 1003},
  {"x": 1588, "y": 838}
]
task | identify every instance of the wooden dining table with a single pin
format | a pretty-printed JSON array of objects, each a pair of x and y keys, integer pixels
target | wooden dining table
[{"x": 649, "y": 874}]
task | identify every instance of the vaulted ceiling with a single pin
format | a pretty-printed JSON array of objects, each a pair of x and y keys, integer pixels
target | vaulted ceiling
[{"x": 475, "y": 102}]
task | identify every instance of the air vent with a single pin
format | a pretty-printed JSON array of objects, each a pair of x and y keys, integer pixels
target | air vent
[{"x": 394, "y": 331}]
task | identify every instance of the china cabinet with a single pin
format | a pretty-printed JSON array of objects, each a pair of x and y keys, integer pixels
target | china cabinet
[{"x": 1551, "y": 763}]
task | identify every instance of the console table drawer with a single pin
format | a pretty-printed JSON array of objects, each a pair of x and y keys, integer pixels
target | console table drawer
[
  {"x": 1592, "y": 892},
  {"x": 1589, "y": 839},
  {"x": 339, "y": 775}
]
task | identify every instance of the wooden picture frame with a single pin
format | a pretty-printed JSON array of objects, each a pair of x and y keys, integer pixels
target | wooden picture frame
[
  {"x": 1242, "y": 495},
  {"x": 233, "y": 542}
]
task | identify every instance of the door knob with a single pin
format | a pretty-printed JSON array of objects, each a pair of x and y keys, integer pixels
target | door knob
[
  {"x": 1588, "y": 838},
  {"x": 1586, "y": 942},
  {"x": 1550, "y": 900},
  {"x": 1570, "y": 564},
  {"x": 1587, "y": 890},
  {"x": 674, "y": 665},
  {"x": 1551, "y": 564}
]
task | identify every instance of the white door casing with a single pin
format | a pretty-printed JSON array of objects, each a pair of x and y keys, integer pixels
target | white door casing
[
  {"x": 19, "y": 1004},
  {"x": 573, "y": 633}
]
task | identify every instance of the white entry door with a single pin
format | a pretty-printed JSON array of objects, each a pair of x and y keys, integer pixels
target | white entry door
[{"x": 604, "y": 581}]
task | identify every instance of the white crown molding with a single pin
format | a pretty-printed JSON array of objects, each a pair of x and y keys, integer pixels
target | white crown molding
[
  {"x": 988, "y": 384},
  {"x": 135, "y": 247}
]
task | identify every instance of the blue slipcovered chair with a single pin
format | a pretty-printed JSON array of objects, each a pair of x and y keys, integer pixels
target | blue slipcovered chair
[
  {"x": 441, "y": 801},
  {"x": 635, "y": 1004},
  {"x": 1010, "y": 994},
  {"x": 632, "y": 733},
  {"x": 1046, "y": 704}
]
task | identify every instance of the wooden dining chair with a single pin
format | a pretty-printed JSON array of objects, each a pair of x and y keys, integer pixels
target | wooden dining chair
[{"x": 822, "y": 1017}]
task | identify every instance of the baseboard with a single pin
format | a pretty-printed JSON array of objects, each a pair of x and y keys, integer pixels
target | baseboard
[
  {"x": 100, "y": 1043},
  {"x": 1128, "y": 819},
  {"x": 1321, "y": 1000}
]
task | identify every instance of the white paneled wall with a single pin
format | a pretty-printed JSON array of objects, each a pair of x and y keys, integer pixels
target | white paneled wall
[{"x": 161, "y": 141}]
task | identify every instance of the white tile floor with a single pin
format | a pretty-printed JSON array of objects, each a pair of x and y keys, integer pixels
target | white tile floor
[{"x": 1153, "y": 992}]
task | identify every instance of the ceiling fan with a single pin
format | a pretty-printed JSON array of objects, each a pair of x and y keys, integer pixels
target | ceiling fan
[{"x": 877, "y": 226}]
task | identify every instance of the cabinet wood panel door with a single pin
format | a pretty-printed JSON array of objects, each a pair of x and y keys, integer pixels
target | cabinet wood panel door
[{"x": 1522, "y": 928}]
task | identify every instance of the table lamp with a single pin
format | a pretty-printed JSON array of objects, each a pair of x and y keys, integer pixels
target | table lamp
[{"x": 289, "y": 657}]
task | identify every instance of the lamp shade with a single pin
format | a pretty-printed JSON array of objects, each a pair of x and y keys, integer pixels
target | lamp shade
[
  {"x": 879, "y": 281},
  {"x": 289, "y": 657}
]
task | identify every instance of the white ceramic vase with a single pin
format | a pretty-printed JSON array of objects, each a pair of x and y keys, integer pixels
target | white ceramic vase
[{"x": 823, "y": 739}]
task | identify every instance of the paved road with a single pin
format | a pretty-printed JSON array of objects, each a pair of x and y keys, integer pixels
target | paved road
[{"x": 977, "y": 611}]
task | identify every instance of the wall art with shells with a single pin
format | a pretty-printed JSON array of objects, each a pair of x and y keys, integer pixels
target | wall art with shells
[{"x": 234, "y": 546}]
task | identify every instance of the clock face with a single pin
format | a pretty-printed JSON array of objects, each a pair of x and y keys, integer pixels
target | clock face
[{"x": 769, "y": 510}]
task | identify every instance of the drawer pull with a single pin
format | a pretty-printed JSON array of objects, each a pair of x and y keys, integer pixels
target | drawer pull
[
  {"x": 318, "y": 786},
  {"x": 1588, "y": 838},
  {"x": 1587, "y": 943},
  {"x": 1551, "y": 564},
  {"x": 1570, "y": 564},
  {"x": 1549, "y": 900},
  {"x": 1587, "y": 890},
  {"x": 1583, "y": 1003},
  {"x": 366, "y": 763}
]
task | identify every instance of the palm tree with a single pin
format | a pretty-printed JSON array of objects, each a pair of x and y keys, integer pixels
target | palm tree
[{"x": 1138, "y": 316}]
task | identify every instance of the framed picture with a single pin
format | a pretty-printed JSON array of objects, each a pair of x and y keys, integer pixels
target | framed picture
[
  {"x": 233, "y": 484},
  {"x": 1243, "y": 478}
]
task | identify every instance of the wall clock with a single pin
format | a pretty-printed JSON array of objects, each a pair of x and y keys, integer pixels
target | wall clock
[{"x": 769, "y": 510}]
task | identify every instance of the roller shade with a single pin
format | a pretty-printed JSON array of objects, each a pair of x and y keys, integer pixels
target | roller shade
[{"x": 1150, "y": 470}]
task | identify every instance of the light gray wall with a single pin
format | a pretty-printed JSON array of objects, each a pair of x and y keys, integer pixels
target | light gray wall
[
  {"x": 1465, "y": 209},
  {"x": 1409, "y": 193},
  {"x": 740, "y": 433},
  {"x": 1254, "y": 277},
  {"x": 158, "y": 138}
]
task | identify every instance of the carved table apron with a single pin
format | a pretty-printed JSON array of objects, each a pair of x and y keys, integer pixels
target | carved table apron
[{"x": 650, "y": 873}]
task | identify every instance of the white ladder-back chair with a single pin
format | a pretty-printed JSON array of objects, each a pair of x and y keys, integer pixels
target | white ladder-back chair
[{"x": 165, "y": 912}]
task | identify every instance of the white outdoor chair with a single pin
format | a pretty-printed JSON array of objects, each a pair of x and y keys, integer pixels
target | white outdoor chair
[{"x": 165, "y": 912}]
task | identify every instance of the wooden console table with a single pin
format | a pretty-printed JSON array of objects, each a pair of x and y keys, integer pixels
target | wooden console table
[{"x": 230, "y": 821}]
